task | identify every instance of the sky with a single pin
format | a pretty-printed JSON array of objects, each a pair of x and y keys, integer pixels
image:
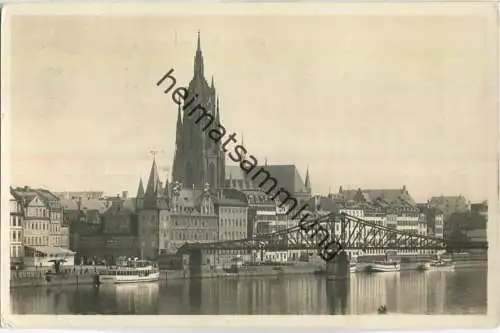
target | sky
[{"x": 371, "y": 101}]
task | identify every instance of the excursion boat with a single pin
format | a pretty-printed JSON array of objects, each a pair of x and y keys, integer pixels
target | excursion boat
[
  {"x": 353, "y": 267},
  {"x": 131, "y": 272},
  {"x": 384, "y": 266},
  {"x": 442, "y": 265}
]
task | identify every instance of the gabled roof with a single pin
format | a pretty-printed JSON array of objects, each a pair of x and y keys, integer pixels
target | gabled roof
[
  {"x": 94, "y": 204},
  {"x": 69, "y": 204},
  {"x": 287, "y": 176},
  {"x": 114, "y": 211},
  {"x": 381, "y": 196},
  {"x": 448, "y": 199},
  {"x": 325, "y": 204},
  {"x": 188, "y": 197},
  {"x": 25, "y": 195},
  {"x": 238, "y": 178},
  {"x": 47, "y": 195}
]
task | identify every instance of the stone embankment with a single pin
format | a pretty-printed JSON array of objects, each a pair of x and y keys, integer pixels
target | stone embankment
[{"x": 78, "y": 277}]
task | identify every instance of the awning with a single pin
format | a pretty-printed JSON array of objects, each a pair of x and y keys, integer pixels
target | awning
[{"x": 53, "y": 250}]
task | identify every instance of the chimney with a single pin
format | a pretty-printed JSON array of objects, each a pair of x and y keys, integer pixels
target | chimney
[{"x": 125, "y": 195}]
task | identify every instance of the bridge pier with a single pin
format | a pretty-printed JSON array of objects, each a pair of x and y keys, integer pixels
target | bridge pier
[{"x": 338, "y": 266}]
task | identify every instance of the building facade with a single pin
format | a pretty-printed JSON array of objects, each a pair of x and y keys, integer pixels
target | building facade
[
  {"x": 232, "y": 219},
  {"x": 16, "y": 230},
  {"x": 36, "y": 224},
  {"x": 119, "y": 231},
  {"x": 36, "y": 217},
  {"x": 191, "y": 218}
]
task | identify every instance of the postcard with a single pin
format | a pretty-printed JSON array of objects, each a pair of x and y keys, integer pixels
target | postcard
[{"x": 249, "y": 165}]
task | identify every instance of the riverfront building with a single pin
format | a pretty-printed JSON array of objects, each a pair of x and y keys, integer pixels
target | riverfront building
[
  {"x": 191, "y": 218},
  {"x": 16, "y": 229},
  {"x": 394, "y": 208},
  {"x": 37, "y": 226}
]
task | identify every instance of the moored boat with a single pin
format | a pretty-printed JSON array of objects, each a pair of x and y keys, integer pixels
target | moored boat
[
  {"x": 131, "y": 272},
  {"x": 442, "y": 265},
  {"x": 425, "y": 266},
  {"x": 353, "y": 267},
  {"x": 385, "y": 266}
]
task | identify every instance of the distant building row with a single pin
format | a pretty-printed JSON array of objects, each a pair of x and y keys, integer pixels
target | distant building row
[{"x": 163, "y": 217}]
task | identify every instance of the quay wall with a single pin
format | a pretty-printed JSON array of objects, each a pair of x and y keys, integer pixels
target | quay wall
[
  {"x": 41, "y": 282},
  {"x": 36, "y": 280}
]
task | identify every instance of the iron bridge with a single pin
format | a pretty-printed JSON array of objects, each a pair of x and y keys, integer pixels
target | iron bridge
[{"x": 352, "y": 233}]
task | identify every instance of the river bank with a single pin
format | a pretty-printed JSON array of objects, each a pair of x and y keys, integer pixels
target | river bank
[{"x": 214, "y": 273}]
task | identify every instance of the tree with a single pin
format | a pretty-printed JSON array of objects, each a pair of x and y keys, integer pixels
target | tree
[
  {"x": 476, "y": 221},
  {"x": 454, "y": 230}
]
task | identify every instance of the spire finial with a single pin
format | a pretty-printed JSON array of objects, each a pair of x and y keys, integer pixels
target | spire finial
[
  {"x": 198, "y": 61},
  {"x": 154, "y": 152},
  {"x": 307, "y": 183}
]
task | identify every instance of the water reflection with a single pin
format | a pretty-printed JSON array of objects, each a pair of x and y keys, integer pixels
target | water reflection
[
  {"x": 336, "y": 293},
  {"x": 459, "y": 292}
]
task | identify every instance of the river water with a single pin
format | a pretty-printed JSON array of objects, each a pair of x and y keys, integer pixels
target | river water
[{"x": 411, "y": 292}]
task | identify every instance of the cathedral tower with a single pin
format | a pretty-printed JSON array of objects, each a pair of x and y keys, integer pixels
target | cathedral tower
[{"x": 198, "y": 159}]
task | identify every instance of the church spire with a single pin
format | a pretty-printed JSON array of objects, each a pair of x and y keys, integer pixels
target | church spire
[
  {"x": 140, "y": 190},
  {"x": 153, "y": 181},
  {"x": 178, "y": 136},
  {"x": 217, "y": 114},
  {"x": 198, "y": 60},
  {"x": 308, "y": 181}
]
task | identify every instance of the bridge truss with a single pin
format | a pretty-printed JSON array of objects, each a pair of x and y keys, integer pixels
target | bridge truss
[{"x": 351, "y": 233}]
